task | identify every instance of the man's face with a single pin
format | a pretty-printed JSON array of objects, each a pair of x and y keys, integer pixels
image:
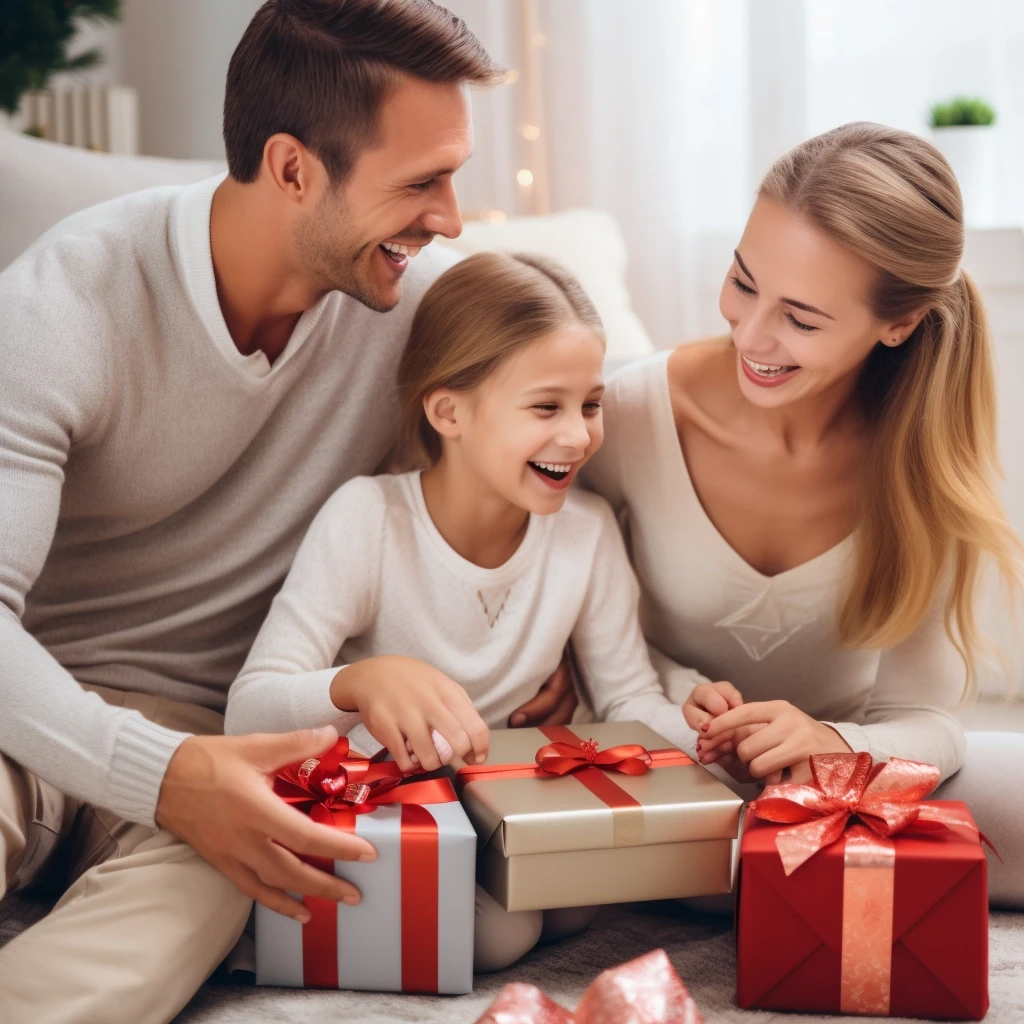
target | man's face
[{"x": 399, "y": 195}]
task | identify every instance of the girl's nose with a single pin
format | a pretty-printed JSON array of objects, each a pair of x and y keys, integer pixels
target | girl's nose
[{"x": 573, "y": 434}]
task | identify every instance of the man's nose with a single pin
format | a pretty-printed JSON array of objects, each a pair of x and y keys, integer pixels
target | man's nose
[{"x": 444, "y": 218}]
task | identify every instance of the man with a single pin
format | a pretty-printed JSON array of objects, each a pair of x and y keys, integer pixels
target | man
[{"x": 187, "y": 375}]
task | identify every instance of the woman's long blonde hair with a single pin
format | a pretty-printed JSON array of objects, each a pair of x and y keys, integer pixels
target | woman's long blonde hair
[
  {"x": 929, "y": 505},
  {"x": 471, "y": 319}
]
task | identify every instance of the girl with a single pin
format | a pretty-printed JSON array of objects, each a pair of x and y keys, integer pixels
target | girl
[
  {"x": 810, "y": 499},
  {"x": 450, "y": 593}
]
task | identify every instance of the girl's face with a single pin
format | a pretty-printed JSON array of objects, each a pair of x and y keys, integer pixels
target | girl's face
[
  {"x": 530, "y": 426},
  {"x": 798, "y": 306}
]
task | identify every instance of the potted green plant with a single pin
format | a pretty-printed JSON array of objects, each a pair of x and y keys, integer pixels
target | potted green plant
[
  {"x": 34, "y": 44},
  {"x": 963, "y": 129}
]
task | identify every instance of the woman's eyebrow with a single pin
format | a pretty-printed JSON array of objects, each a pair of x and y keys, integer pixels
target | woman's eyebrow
[{"x": 789, "y": 302}]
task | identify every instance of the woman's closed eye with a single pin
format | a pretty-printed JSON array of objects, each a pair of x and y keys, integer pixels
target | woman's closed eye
[
  {"x": 745, "y": 289},
  {"x": 799, "y": 324}
]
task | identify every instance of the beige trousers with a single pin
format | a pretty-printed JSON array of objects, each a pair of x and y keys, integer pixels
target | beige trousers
[{"x": 144, "y": 919}]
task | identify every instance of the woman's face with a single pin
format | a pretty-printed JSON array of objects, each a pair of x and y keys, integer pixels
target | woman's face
[{"x": 797, "y": 303}]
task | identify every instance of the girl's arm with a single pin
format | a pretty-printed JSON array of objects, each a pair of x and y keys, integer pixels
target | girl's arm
[
  {"x": 610, "y": 647},
  {"x": 330, "y": 594}
]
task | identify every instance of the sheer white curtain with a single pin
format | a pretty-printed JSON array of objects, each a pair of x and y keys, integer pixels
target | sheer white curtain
[
  {"x": 647, "y": 115},
  {"x": 667, "y": 112}
]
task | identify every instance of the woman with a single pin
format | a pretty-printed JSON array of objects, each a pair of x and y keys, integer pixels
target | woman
[{"x": 809, "y": 501}]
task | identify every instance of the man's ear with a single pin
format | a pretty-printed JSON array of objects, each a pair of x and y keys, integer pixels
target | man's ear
[
  {"x": 291, "y": 168},
  {"x": 442, "y": 409}
]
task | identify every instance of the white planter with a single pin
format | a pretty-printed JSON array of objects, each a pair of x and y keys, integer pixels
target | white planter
[{"x": 971, "y": 152}]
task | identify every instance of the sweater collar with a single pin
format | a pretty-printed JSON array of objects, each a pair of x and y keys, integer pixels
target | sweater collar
[{"x": 190, "y": 230}]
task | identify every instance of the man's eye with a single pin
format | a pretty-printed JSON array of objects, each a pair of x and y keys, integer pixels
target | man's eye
[{"x": 422, "y": 186}]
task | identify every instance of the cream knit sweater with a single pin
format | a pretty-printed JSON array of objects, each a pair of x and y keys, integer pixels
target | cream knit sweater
[{"x": 155, "y": 483}]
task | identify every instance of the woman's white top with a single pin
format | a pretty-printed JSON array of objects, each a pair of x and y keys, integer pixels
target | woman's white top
[
  {"x": 774, "y": 637},
  {"x": 373, "y": 576}
]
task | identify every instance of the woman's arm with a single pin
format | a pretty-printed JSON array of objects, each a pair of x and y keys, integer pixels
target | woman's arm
[{"x": 909, "y": 713}]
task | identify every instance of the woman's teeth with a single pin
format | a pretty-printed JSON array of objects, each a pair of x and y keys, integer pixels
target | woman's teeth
[
  {"x": 555, "y": 470},
  {"x": 767, "y": 370},
  {"x": 400, "y": 250}
]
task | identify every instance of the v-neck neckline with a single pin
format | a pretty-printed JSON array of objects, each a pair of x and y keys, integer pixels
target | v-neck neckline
[
  {"x": 668, "y": 435},
  {"x": 192, "y": 241}
]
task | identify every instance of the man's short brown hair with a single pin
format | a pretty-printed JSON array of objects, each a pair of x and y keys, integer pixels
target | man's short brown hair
[{"x": 319, "y": 69}]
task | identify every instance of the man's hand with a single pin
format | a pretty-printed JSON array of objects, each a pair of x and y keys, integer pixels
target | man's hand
[
  {"x": 555, "y": 702},
  {"x": 770, "y": 737},
  {"x": 217, "y": 795},
  {"x": 402, "y": 700}
]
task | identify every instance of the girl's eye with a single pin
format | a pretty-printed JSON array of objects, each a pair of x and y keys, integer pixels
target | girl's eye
[
  {"x": 742, "y": 287},
  {"x": 592, "y": 408},
  {"x": 799, "y": 325},
  {"x": 547, "y": 407}
]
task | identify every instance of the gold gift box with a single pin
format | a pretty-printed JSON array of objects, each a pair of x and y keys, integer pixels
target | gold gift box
[{"x": 550, "y": 842}]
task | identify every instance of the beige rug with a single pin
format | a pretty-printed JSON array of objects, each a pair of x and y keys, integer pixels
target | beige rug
[{"x": 701, "y": 947}]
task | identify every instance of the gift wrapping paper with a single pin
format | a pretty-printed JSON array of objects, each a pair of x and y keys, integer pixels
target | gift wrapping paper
[
  {"x": 412, "y": 931},
  {"x": 597, "y": 835},
  {"x": 870, "y": 923}
]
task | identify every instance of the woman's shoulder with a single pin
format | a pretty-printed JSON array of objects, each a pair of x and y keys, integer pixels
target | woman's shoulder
[{"x": 365, "y": 501}]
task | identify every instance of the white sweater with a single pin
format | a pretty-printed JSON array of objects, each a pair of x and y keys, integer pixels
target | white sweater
[
  {"x": 774, "y": 637},
  {"x": 155, "y": 483},
  {"x": 374, "y": 576}
]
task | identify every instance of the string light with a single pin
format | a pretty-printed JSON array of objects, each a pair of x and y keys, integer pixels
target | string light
[
  {"x": 530, "y": 132},
  {"x": 525, "y": 177}
]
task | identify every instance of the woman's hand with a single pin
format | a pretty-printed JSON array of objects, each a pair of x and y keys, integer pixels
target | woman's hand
[
  {"x": 776, "y": 736},
  {"x": 402, "y": 700}
]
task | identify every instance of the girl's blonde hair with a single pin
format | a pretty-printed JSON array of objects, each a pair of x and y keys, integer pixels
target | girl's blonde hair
[
  {"x": 472, "y": 318},
  {"x": 929, "y": 505}
]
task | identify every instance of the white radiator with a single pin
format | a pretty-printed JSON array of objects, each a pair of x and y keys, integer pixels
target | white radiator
[{"x": 99, "y": 117}]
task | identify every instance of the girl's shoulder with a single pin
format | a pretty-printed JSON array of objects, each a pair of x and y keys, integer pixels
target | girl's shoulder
[{"x": 585, "y": 516}]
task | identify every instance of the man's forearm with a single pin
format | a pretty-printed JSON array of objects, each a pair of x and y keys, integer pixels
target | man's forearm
[{"x": 107, "y": 756}]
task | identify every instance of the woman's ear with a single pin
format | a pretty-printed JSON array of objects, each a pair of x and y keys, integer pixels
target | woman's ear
[
  {"x": 442, "y": 411},
  {"x": 898, "y": 331}
]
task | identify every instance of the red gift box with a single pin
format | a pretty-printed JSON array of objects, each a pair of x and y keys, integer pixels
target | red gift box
[{"x": 891, "y": 920}]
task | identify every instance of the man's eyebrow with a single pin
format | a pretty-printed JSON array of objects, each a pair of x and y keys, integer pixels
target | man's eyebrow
[
  {"x": 437, "y": 172},
  {"x": 789, "y": 302}
]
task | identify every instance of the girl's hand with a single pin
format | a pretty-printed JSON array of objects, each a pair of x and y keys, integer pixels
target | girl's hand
[
  {"x": 402, "y": 700},
  {"x": 783, "y": 737}
]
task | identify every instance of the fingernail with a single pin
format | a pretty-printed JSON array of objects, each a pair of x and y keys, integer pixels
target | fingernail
[
  {"x": 368, "y": 857},
  {"x": 704, "y": 727},
  {"x": 517, "y": 719},
  {"x": 303, "y": 918},
  {"x": 350, "y": 900},
  {"x": 480, "y": 758}
]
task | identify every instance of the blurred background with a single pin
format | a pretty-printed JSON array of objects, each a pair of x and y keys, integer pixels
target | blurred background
[{"x": 662, "y": 114}]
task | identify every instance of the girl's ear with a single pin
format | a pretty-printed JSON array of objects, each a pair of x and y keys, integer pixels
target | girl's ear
[{"x": 441, "y": 409}]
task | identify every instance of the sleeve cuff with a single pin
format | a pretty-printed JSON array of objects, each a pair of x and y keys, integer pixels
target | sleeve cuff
[
  {"x": 311, "y": 703},
  {"x": 855, "y": 736},
  {"x": 669, "y": 722},
  {"x": 142, "y": 751}
]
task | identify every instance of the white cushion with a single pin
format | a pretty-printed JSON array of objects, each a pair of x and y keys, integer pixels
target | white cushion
[
  {"x": 43, "y": 182},
  {"x": 588, "y": 243}
]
